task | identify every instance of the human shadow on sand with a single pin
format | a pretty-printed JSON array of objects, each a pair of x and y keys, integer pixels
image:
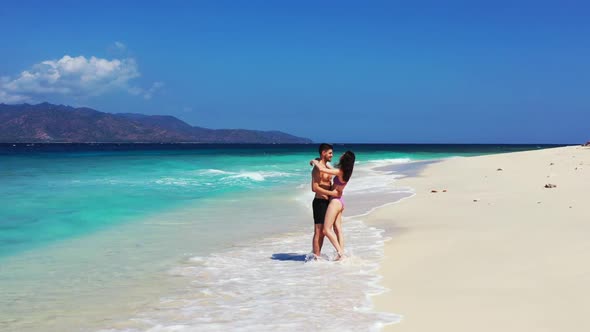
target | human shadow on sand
[{"x": 288, "y": 257}]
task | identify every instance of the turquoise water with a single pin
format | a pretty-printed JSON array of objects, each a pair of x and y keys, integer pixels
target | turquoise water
[
  {"x": 50, "y": 195},
  {"x": 162, "y": 230}
]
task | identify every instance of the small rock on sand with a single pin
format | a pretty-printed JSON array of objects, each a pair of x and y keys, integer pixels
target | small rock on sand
[{"x": 550, "y": 185}]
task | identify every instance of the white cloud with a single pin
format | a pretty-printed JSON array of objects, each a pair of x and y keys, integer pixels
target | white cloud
[
  {"x": 155, "y": 87},
  {"x": 120, "y": 46},
  {"x": 72, "y": 77},
  {"x": 12, "y": 98},
  {"x": 146, "y": 93}
]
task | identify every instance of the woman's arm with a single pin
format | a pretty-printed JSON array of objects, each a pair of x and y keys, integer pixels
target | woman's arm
[
  {"x": 315, "y": 187},
  {"x": 331, "y": 171}
]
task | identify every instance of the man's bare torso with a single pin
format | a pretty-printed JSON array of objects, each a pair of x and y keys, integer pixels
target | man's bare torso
[{"x": 325, "y": 182}]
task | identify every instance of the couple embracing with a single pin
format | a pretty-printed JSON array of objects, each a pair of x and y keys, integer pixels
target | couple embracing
[{"x": 328, "y": 184}]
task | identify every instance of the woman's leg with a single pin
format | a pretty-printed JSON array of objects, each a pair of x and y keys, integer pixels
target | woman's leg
[
  {"x": 338, "y": 230},
  {"x": 331, "y": 214}
]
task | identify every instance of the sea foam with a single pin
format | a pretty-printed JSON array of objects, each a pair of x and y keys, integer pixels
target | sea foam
[
  {"x": 268, "y": 285},
  {"x": 272, "y": 284}
]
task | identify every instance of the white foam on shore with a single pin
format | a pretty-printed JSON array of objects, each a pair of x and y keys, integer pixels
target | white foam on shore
[{"x": 267, "y": 285}]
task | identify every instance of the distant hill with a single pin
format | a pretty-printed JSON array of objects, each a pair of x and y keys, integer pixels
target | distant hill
[{"x": 58, "y": 123}]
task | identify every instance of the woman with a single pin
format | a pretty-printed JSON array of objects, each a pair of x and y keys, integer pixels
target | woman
[{"x": 342, "y": 175}]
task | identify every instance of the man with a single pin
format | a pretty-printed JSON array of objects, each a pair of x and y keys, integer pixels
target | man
[{"x": 321, "y": 185}]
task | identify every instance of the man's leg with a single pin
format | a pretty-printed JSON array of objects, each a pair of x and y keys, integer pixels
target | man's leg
[
  {"x": 320, "y": 230},
  {"x": 318, "y": 239},
  {"x": 319, "y": 213}
]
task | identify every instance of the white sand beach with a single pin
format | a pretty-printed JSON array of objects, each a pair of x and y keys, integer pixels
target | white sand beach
[{"x": 497, "y": 251}]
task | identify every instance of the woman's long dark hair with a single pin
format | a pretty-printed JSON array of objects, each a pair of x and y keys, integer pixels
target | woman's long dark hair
[{"x": 346, "y": 164}]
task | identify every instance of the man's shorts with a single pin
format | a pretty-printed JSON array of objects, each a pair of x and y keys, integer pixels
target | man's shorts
[{"x": 320, "y": 206}]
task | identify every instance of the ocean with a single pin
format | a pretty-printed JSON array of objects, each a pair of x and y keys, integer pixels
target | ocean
[{"x": 191, "y": 237}]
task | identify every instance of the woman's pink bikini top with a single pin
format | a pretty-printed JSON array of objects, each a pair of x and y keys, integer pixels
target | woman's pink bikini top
[{"x": 338, "y": 183}]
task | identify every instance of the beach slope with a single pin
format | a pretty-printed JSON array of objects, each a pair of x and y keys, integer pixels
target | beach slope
[{"x": 497, "y": 251}]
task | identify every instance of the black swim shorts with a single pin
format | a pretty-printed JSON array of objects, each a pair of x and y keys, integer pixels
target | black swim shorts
[{"x": 320, "y": 206}]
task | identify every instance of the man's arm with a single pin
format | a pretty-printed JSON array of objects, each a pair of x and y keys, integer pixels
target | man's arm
[{"x": 331, "y": 171}]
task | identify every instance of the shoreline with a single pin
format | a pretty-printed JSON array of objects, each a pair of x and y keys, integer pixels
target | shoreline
[
  {"x": 378, "y": 188},
  {"x": 497, "y": 251},
  {"x": 289, "y": 242}
]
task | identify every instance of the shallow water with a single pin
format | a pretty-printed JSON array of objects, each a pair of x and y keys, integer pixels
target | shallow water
[{"x": 178, "y": 240}]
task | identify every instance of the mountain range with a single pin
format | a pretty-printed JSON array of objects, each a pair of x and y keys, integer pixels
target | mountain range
[{"x": 49, "y": 123}]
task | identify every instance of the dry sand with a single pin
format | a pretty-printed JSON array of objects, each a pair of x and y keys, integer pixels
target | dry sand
[{"x": 516, "y": 259}]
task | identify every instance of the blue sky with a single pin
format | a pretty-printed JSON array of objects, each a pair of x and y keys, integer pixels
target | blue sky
[{"x": 336, "y": 71}]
